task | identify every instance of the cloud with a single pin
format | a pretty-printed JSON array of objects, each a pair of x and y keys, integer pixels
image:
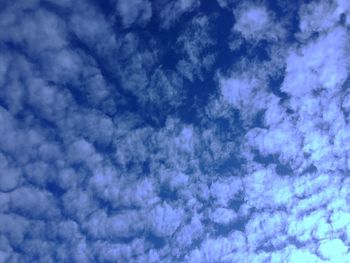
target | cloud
[
  {"x": 226, "y": 190},
  {"x": 164, "y": 219},
  {"x": 195, "y": 44},
  {"x": 222, "y": 216},
  {"x": 224, "y": 3},
  {"x": 322, "y": 65},
  {"x": 33, "y": 203},
  {"x": 107, "y": 154},
  {"x": 218, "y": 249},
  {"x": 333, "y": 249},
  {"x": 171, "y": 11},
  {"x": 135, "y": 11},
  {"x": 165, "y": 89},
  {"x": 245, "y": 91},
  {"x": 321, "y": 17},
  {"x": 255, "y": 22},
  {"x": 10, "y": 176},
  {"x": 189, "y": 233}
]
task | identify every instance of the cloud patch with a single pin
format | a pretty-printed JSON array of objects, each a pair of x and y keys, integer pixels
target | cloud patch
[{"x": 134, "y": 12}]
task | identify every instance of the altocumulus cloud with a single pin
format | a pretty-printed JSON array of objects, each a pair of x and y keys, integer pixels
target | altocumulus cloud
[{"x": 174, "y": 131}]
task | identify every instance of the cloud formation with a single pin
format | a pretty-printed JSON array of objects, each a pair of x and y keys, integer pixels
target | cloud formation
[{"x": 132, "y": 131}]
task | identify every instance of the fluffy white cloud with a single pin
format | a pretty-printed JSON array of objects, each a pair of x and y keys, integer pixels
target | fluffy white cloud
[
  {"x": 165, "y": 220},
  {"x": 322, "y": 64},
  {"x": 255, "y": 22},
  {"x": 222, "y": 215},
  {"x": 322, "y": 16},
  {"x": 224, "y": 191},
  {"x": 333, "y": 250}
]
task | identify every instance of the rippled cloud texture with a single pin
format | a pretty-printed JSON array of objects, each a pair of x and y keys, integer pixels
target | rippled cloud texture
[{"x": 174, "y": 131}]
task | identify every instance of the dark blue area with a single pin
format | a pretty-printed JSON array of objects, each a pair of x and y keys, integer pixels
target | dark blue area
[
  {"x": 55, "y": 189},
  {"x": 221, "y": 32},
  {"x": 275, "y": 84},
  {"x": 210, "y": 6},
  {"x": 236, "y": 225},
  {"x": 236, "y": 203},
  {"x": 343, "y": 19},
  {"x": 284, "y": 170},
  {"x": 56, "y": 9},
  {"x": 157, "y": 242},
  {"x": 166, "y": 193},
  {"x": 287, "y": 11},
  {"x": 228, "y": 166},
  {"x": 310, "y": 169},
  {"x": 258, "y": 120},
  {"x": 107, "y": 7},
  {"x": 265, "y": 159}
]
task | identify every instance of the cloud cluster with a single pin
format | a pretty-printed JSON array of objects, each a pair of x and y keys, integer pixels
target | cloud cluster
[{"x": 99, "y": 164}]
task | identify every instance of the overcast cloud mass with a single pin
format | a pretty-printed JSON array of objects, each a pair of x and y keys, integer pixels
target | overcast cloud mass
[{"x": 174, "y": 131}]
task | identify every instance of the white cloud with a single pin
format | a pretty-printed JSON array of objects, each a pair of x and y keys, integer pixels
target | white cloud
[
  {"x": 212, "y": 250},
  {"x": 263, "y": 188},
  {"x": 222, "y": 215},
  {"x": 33, "y": 202},
  {"x": 31, "y": 31},
  {"x": 257, "y": 235},
  {"x": 246, "y": 86},
  {"x": 302, "y": 255},
  {"x": 83, "y": 169},
  {"x": 5, "y": 250},
  {"x": 165, "y": 89},
  {"x": 246, "y": 93},
  {"x": 141, "y": 193},
  {"x": 124, "y": 224},
  {"x": 256, "y": 23},
  {"x": 14, "y": 228},
  {"x": 134, "y": 11},
  {"x": 190, "y": 232},
  {"x": 320, "y": 64},
  {"x": 238, "y": 90},
  {"x": 284, "y": 140},
  {"x": 171, "y": 11},
  {"x": 78, "y": 204},
  {"x": 165, "y": 220},
  {"x": 80, "y": 150},
  {"x": 9, "y": 176},
  {"x": 224, "y": 3},
  {"x": 321, "y": 16},
  {"x": 223, "y": 191},
  {"x": 194, "y": 45},
  {"x": 333, "y": 250}
]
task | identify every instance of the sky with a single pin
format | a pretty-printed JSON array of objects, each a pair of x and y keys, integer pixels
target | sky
[{"x": 174, "y": 131}]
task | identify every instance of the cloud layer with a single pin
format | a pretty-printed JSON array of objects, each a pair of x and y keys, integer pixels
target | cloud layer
[{"x": 174, "y": 131}]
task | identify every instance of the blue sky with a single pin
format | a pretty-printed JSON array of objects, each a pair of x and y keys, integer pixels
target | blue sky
[{"x": 174, "y": 131}]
